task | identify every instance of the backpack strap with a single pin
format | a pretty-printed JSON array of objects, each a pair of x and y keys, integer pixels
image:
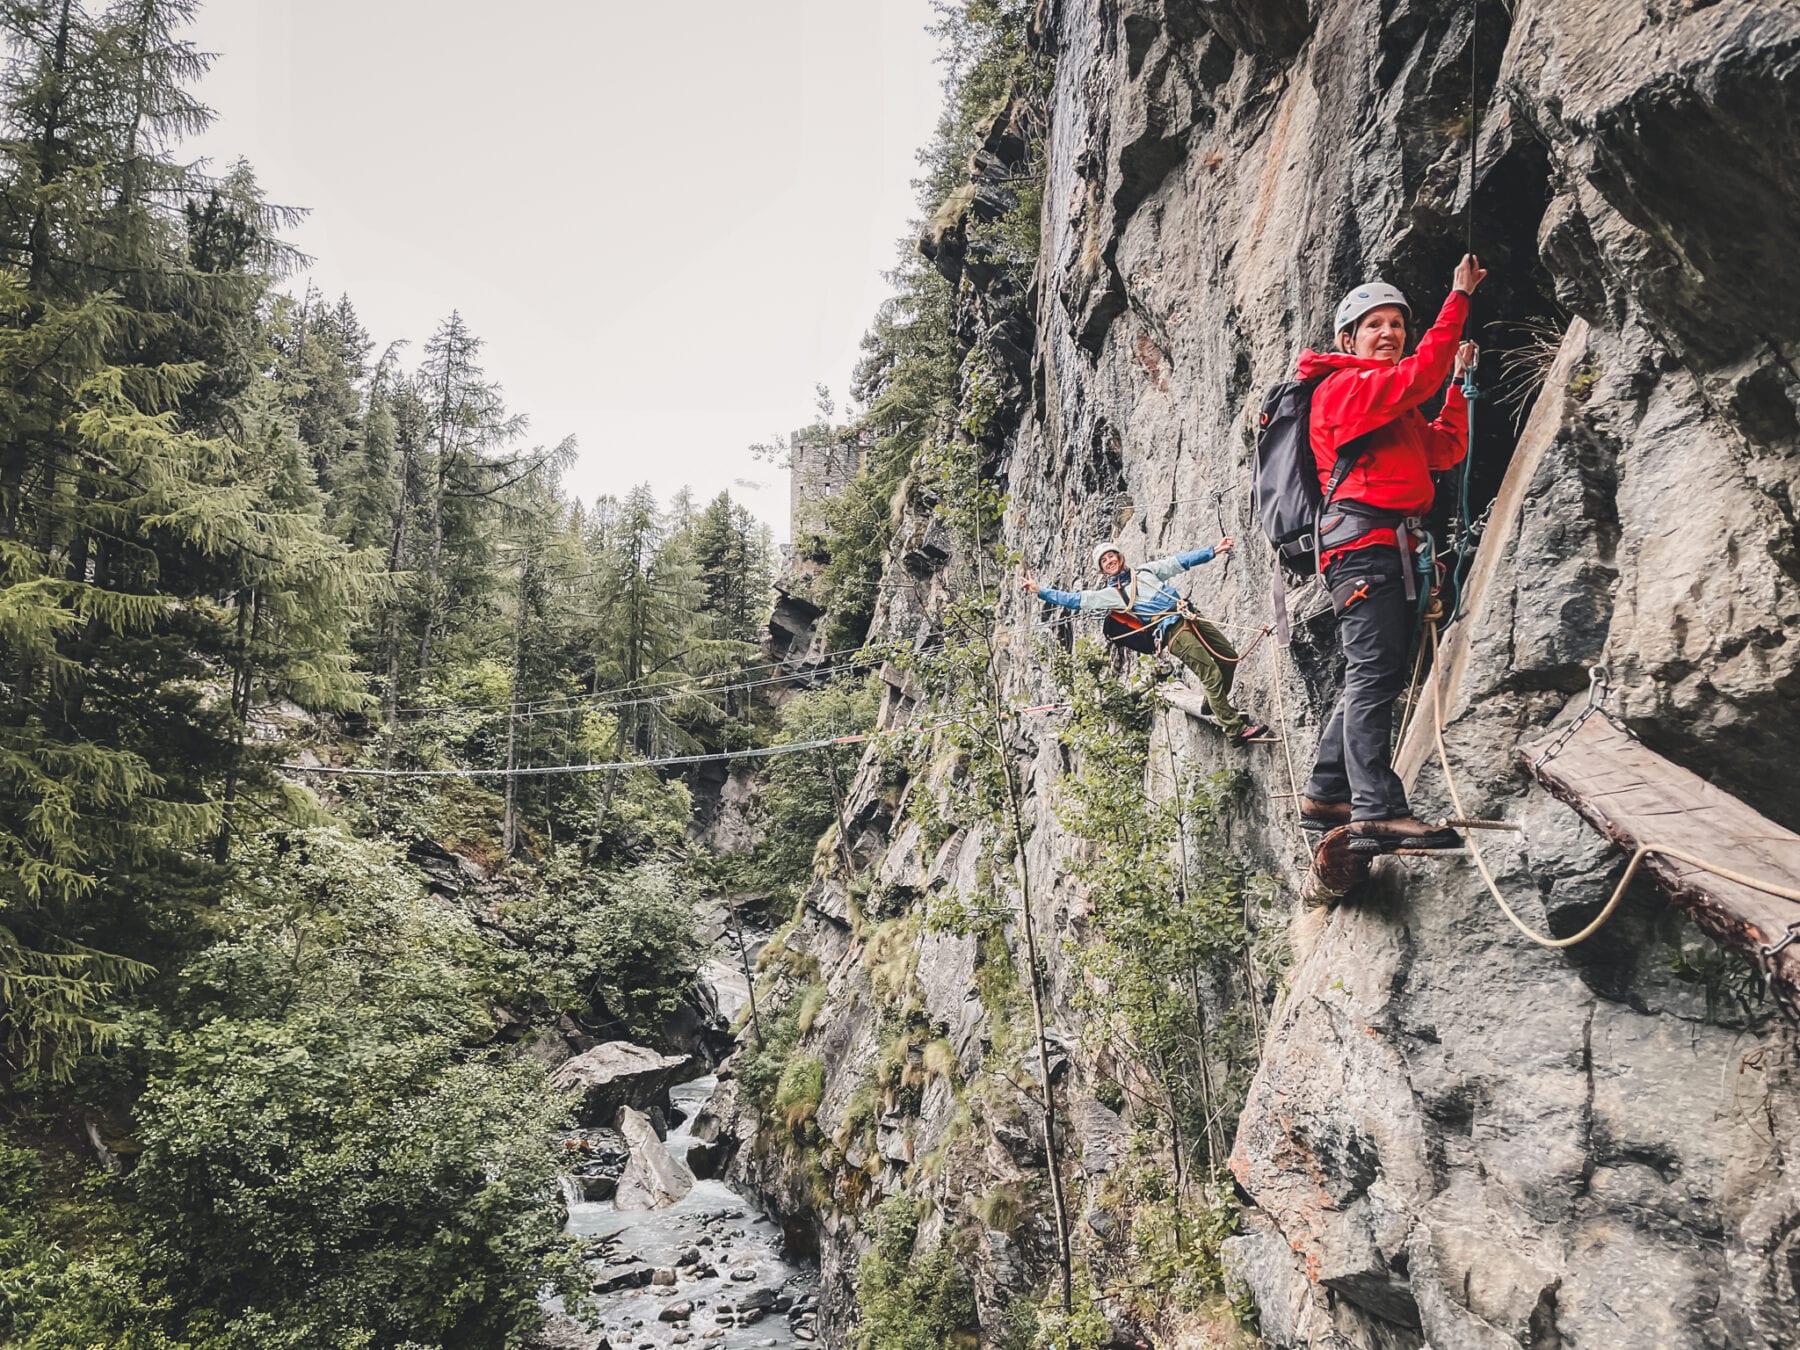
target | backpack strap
[
  {"x": 1348, "y": 453},
  {"x": 1278, "y": 574}
]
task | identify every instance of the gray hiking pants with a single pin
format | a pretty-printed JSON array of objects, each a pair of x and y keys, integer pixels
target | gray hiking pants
[{"x": 1375, "y": 624}]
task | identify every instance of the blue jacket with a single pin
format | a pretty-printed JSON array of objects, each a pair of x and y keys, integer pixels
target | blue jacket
[{"x": 1144, "y": 590}]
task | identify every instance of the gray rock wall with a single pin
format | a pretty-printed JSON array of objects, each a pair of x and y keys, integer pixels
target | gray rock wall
[{"x": 1455, "y": 1138}]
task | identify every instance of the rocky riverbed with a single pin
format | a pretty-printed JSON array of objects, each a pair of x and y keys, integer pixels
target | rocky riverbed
[{"x": 705, "y": 1270}]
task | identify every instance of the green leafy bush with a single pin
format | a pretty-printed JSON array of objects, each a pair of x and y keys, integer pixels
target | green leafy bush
[
  {"x": 53, "y": 1297},
  {"x": 908, "y": 1301},
  {"x": 617, "y": 949},
  {"x": 320, "y": 1179},
  {"x": 326, "y": 1154}
]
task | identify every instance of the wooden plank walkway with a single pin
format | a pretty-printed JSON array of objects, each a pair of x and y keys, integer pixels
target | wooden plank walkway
[{"x": 1634, "y": 797}]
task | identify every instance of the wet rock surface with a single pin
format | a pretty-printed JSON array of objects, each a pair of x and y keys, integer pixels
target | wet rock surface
[
  {"x": 619, "y": 1074},
  {"x": 653, "y": 1177}
]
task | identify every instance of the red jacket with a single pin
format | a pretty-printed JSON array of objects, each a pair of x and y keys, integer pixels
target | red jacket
[{"x": 1394, "y": 472}]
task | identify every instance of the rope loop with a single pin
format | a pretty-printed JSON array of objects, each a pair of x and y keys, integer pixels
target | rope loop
[{"x": 1598, "y": 689}]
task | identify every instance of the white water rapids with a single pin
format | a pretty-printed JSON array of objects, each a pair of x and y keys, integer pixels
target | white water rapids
[{"x": 740, "y": 1244}]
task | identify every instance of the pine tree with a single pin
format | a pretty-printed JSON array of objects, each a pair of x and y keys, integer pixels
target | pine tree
[
  {"x": 321, "y": 355},
  {"x": 468, "y": 421},
  {"x": 368, "y": 490},
  {"x": 136, "y": 522}
]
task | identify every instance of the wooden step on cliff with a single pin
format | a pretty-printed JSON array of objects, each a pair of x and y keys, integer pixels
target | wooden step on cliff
[
  {"x": 1635, "y": 797},
  {"x": 1182, "y": 699}
]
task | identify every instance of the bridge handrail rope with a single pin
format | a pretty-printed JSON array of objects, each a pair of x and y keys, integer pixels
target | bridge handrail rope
[
  {"x": 709, "y": 757},
  {"x": 693, "y": 686}
]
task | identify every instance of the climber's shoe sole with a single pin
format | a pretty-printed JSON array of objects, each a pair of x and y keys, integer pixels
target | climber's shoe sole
[{"x": 1438, "y": 841}]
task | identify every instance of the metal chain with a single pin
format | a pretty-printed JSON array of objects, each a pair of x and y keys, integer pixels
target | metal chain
[
  {"x": 1599, "y": 690},
  {"x": 1766, "y": 953},
  {"x": 1770, "y": 950}
]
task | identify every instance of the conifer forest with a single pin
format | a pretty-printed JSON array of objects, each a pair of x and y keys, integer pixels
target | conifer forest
[{"x": 443, "y": 908}]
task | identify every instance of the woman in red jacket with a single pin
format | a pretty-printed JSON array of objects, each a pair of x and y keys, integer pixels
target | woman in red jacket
[{"x": 1373, "y": 392}]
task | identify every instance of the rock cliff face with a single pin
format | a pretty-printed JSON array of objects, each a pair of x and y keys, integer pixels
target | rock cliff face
[{"x": 1453, "y": 1138}]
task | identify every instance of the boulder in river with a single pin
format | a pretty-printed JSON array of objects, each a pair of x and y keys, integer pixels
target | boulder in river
[
  {"x": 653, "y": 1179},
  {"x": 637, "y": 1275},
  {"x": 617, "y": 1073}
]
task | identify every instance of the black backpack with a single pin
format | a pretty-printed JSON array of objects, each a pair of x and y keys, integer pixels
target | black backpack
[
  {"x": 1285, "y": 483},
  {"x": 1125, "y": 629}
]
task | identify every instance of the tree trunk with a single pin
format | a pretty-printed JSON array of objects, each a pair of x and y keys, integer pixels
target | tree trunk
[
  {"x": 391, "y": 625},
  {"x": 737, "y": 927},
  {"x": 434, "y": 566},
  {"x": 612, "y": 779},
  {"x": 1215, "y": 1143},
  {"x": 837, "y": 804},
  {"x": 17, "y": 457},
  {"x": 240, "y": 717},
  {"x": 1215, "y": 1138},
  {"x": 1028, "y": 927},
  {"x": 509, "y": 824}
]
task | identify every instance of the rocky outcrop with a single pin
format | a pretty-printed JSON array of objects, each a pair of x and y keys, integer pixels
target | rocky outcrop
[
  {"x": 653, "y": 1179},
  {"x": 619, "y": 1074},
  {"x": 1454, "y": 1138}
]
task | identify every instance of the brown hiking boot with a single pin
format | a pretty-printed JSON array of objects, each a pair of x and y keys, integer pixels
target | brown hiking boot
[
  {"x": 1402, "y": 832},
  {"x": 1318, "y": 815}
]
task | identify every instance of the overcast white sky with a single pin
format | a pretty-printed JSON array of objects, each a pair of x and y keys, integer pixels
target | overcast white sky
[{"x": 667, "y": 222}]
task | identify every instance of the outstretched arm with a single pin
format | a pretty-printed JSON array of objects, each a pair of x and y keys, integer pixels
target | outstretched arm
[
  {"x": 1369, "y": 398},
  {"x": 1164, "y": 568},
  {"x": 1103, "y": 599}
]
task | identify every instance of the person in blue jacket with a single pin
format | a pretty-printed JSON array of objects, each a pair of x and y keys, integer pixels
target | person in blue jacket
[{"x": 1143, "y": 613}]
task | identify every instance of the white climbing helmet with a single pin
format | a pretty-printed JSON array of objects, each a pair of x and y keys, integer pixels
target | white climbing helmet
[
  {"x": 1106, "y": 547},
  {"x": 1370, "y": 295}
]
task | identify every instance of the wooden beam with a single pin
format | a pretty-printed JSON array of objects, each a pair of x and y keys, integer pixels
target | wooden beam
[
  {"x": 1493, "y": 570},
  {"x": 1190, "y": 701},
  {"x": 1635, "y": 797}
]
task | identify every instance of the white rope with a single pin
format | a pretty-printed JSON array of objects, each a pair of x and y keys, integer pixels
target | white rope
[{"x": 1618, "y": 894}]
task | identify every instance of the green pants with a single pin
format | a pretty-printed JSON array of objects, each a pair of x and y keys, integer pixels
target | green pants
[{"x": 1215, "y": 674}]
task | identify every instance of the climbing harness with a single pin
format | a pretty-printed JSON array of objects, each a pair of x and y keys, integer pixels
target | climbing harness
[
  {"x": 1192, "y": 619},
  {"x": 1123, "y": 626},
  {"x": 1151, "y": 636}
]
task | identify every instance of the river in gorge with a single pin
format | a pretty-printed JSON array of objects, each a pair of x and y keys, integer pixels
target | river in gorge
[{"x": 718, "y": 1276}]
